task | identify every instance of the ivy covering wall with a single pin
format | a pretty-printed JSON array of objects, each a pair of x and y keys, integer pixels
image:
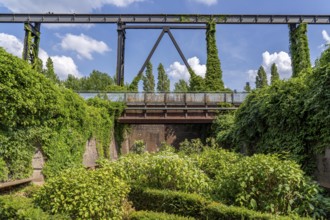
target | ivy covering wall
[
  {"x": 213, "y": 76},
  {"x": 36, "y": 113},
  {"x": 299, "y": 49}
]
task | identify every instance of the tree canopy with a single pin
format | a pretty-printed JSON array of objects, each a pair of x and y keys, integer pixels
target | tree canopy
[
  {"x": 261, "y": 78},
  {"x": 274, "y": 75},
  {"x": 163, "y": 84},
  {"x": 181, "y": 86},
  {"x": 148, "y": 79}
]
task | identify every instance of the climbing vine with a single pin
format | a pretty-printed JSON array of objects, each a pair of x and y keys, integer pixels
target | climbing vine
[
  {"x": 213, "y": 76},
  {"x": 299, "y": 49},
  {"x": 37, "y": 114}
]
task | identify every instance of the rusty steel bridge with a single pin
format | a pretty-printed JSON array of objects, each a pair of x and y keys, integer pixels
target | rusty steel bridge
[
  {"x": 172, "y": 108},
  {"x": 165, "y": 22}
]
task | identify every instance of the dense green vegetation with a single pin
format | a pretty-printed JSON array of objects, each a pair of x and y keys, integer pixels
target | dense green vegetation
[
  {"x": 287, "y": 121},
  {"x": 261, "y": 78},
  {"x": 181, "y": 86},
  {"x": 163, "y": 84},
  {"x": 149, "y": 79},
  {"x": 177, "y": 184},
  {"x": 274, "y": 75},
  {"x": 299, "y": 49},
  {"x": 213, "y": 76},
  {"x": 38, "y": 114},
  {"x": 96, "y": 81},
  {"x": 83, "y": 194},
  {"x": 290, "y": 117}
]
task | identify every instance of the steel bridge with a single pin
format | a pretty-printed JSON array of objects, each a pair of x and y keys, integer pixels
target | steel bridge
[
  {"x": 172, "y": 108},
  {"x": 165, "y": 22}
]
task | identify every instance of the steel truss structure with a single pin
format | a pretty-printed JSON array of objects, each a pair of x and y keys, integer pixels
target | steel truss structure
[{"x": 166, "y": 22}]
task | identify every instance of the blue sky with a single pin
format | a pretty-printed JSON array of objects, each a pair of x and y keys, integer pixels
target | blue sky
[{"x": 79, "y": 49}]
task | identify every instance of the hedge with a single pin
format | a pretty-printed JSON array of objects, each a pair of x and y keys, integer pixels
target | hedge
[
  {"x": 148, "y": 215},
  {"x": 19, "y": 208},
  {"x": 173, "y": 202},
  {"x": 193, "y": 205},
  {"x": 217, "y": 211}
]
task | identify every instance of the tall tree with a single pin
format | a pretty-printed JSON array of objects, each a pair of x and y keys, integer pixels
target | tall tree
[
  {"x": 213, "y": 76},
  {"x": 247, "y": 87},
  {"x": 50, "y": 72},
  {"x": 149, "y": 79},
  {"x": 299, "y": 49},
  {"x": 181, "y": 86},
  {"x": 261, "y": 78},
  {"x": 274, "y": 75},
  {"x": 98, "y": 81},
  {"x": 163, "y": 84},
  {"x": 72, "y": 83}
]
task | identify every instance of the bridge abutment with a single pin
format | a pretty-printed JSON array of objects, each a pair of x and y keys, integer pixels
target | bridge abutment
[{"x": 154, "y": 135}]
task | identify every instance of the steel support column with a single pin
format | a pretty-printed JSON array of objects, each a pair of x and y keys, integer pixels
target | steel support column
[
  {"x": 31, "y": 42},
  {"x": 165, "y": 30},
  {"x": 179, "y": 50},
  {"x": 121, "y": 54},
  {"x": 151, "y": 52}
]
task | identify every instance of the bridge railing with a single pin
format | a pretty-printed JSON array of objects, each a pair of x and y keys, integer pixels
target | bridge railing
[{"x": 201, "y": 98}]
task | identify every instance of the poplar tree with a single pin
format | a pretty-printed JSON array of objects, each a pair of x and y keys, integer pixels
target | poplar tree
[
  {"x": 247, "y": 87},
  {"x": 181, "y": 86},
  {"x": 163, "y": 84},
  {"x": 274, "y": 75},
  {"x": 50, "y": 72},
  {"x": 261, "y": 78},
  {"x": 149, "y": 79},
  {"x": 213, "y": 76},
  {"x": 299, "y": 49}
]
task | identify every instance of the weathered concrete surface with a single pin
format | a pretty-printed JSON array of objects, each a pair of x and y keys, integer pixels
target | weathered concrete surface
[
  {"x": 38, "y": 162},
  {"x": 90, "y": 155},
  {"x": 323, "y": 169},
  {"x": 113, "y": 148},
  {"x": 153, "y": 135}
]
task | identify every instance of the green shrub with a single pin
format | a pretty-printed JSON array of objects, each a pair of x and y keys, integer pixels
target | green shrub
[
  {"x": 216, "y": 161},
  {"x": 147, "y": 215},
  {"x": 192, "y": 146},
  {"x": 164, "y": 170},
  {"x": 21, "y": 208},
  {"x": 193, "y": 205},
  {"x": 266, "y": 183},
  {"x": 3, "y": 170},
  {"x": 168, "y": 201},
  {"x": 139, "y": 147},
  {"x": 84, "y": 194}
]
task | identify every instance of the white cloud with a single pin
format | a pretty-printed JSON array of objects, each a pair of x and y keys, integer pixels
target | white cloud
[
  {"x": 61, "y": 6},
  {"x": 83, "y": 45},
  {"x": 63, "y": 65},
  {"x": 326, "y": 36},
  {"x": 11, "y": 44},
  {"x": 179, "y": 71},
  {"x": 281, "y": 59},
  {"x": 206, "y": 2},
  {"x": 252, "y": 75}
]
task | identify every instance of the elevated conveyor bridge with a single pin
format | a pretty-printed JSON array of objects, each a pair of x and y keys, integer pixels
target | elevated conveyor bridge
[{"x": 172, "y": 108}]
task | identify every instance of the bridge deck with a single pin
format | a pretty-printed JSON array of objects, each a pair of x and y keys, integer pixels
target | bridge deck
[
  {"x": 172, "y": 108},
  {"x": 164, "y": 18}
]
